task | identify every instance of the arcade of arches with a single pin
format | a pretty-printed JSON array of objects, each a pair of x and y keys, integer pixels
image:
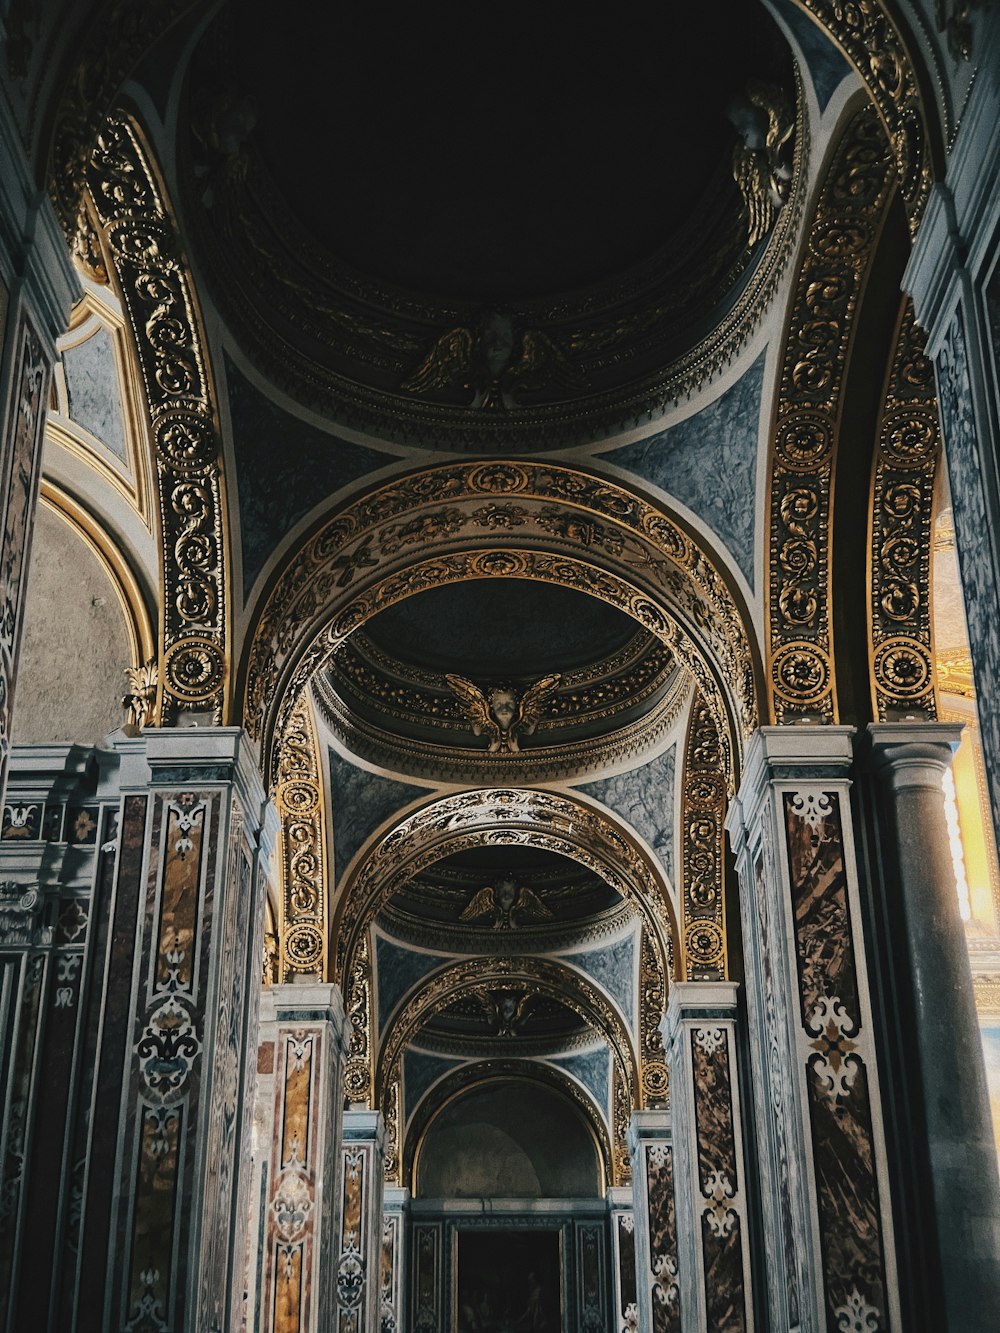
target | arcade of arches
[{"x": 499, "y": 658}]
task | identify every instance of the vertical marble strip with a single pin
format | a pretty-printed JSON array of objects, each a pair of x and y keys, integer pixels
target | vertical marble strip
[
  {"x": 663, "y": 1237},
  {"x": 718, "y": 1179},
  {"x": 16, "y": 1116},
  {"x": 627, "y": 1312},
  {"x": 95, "y": 965},
  {"x": 591, "y": 1280},
  {"x": 293, "y": 1188},
  {"x": 837, "y": 1072},
  {"x": 392, "y": 1311},
  {"x": 115, "y": 1019},
  {"x": 427, "y": 1283},
  {"x": 351, "y": 1264},
  {"x": 20, "y": 461},
  {"x": 169, "y": 1042}
]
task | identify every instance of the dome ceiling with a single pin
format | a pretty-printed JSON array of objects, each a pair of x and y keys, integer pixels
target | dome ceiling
[{"x": 516, "y": 246}]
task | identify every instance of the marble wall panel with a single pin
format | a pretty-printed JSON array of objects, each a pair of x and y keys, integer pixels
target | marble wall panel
[
  {"x": 361, "y": 802},
  {"x": 427, "y": 1280},
  {"x": 709, "y": 462},
  {"x": 397, "y": 970},
  {"x": 644, "y": 798},
  {"x": 627, "y": 1312},
  {"x": 615, "y": 967},
  {"x": 93, "y": 391},
  {"x": 593, "y": 1070},
  {"x": 826, "y": 67},
  {"x": 662, "y": 1222}
]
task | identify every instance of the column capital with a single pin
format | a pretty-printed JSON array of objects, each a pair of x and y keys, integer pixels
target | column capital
[
  {"x": 365, "y": 1125},
  {"x": 807, "y": 751},
  {"x": 648, "y": 1125},
  {"x": 914, "y": 754},
  {"x": 693, "y": 1001}
]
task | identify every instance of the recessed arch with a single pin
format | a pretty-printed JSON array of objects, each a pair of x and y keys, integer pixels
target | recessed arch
[
  {"x": 501, "y": 519},
  {"x": 543, "y": 976},
  {"x": 474, "y": 1076}
]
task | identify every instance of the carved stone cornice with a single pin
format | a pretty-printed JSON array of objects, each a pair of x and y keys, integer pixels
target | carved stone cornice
[
  {"x": 905, "y": 467},
  {"x": 460, "y": 938},
  {"x": 457, "y": 763},
  {"x": 852, "y": 203},
  {"x": 139, "y": 235}
]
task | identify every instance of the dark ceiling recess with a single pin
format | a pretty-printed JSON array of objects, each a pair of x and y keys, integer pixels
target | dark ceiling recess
[{"x": 494, "y": 152}]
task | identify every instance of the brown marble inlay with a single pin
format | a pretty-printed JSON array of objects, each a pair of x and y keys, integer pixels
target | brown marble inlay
[{"x": 663, "y": 1237}]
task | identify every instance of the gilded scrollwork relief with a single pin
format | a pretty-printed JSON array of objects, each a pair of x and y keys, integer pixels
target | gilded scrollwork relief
[
  {"x": 874, "y": 42},
  {"x": 140, "y": 236},
  {"x": 299, "y": 798},
  {"x": 853, "y": 200},
  {"x": 579, "y": 531},
  {"x": 539, "y": 976},
  {"x": 703, "y": 812},
  {"x": 907, "y": 455},
  {"x": 481, "y": 818}
]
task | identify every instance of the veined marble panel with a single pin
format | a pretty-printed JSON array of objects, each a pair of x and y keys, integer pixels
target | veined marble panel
[
  {"x": 361, "y": 802},
  {"x": 644, "y": 798}
]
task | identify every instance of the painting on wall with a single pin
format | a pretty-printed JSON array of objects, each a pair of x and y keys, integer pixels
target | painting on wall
[{"x": 508, "y": 1282}]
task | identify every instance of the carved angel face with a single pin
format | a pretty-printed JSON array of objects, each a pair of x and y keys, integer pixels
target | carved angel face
[
  {"x": 504, "y": 894},
  {"x": 503, "y": 706}
]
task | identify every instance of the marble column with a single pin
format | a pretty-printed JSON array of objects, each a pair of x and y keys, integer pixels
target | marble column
[
  {"x": 699, "y": 1037},
  {"x": 395, "y": 1210},
  {"x": 651, "y": 1148},
  {"x": 950, "y": 1133},
  {"x": 359, "y": 1263},
  {"x": 134, "y": 1040},
  {"x": 821, "y": 1147},
  {"x": 37, "y": 288},
  {"x": 301, "y": 1048},
  {"x": 624, "y": 1298}
]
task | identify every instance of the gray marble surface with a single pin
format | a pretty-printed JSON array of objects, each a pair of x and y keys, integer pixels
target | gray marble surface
[
  {"x": 615, "y": 968},
  {"x": 397, "y": 970},
  {"x": 709, "y": 462},
  {"x": 593, "y": 1070},
  {"x": 972, "y": 538},
  {"x": 826, "y": 66},
  {"x": 644, "y": 798},
  {"x": 285, "y": 468},
  {"x": 420, "y": 1070},
  {"x": 361, "y": 801},
  {"x": 93, "y": 391}
]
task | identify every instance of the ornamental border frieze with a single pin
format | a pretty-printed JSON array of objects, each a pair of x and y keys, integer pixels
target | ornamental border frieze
[
  {"x": 542, "y": 976},
  {"x": 905, "y": 468},
  {"x": 302, "y": 929},
  {"x": 460, "y": 1080},
  {"x": 542, "y": 763},
  {"x": 703, "y": 813},
  {"x": 455, "y": 824},
  {"x": 583, "y": 531},
  {"x": 854, "y": 198},
  {"x": 873, "y": 41},
  {"x": 139, "y": 234}
]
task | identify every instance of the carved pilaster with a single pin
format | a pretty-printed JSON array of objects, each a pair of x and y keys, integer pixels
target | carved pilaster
[
  {"x": 359, "y": 1261},
  {"x": 699, "y": 1035},
  {"x": 292, "y": 1275},
  {"x": 392, "y": 1285},
  {"x": 625, "y": 1308},
  {"x": 825, "y": 1202},
  {"x": 657, "y": 1285}
]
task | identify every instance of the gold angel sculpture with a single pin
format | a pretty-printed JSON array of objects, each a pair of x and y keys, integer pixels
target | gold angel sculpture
[
  {"x": 503, "y": 714},
  {"x": 505, "y": 901},
  {"x": 765, "y": 121}
]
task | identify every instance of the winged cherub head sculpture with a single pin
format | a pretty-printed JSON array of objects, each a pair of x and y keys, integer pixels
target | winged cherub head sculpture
[{"x": 504, "y": 714}]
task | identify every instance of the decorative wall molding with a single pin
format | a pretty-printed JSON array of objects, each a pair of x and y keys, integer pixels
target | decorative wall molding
[
  {"x": 703, "y": 835},
  {"x": 305, "y": 874}
]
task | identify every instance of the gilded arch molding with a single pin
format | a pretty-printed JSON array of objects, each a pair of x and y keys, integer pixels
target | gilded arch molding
[
  {"x": 542, "y": 976},
  {"x": 138, "y": 233},
  {"x": 476, "y": 1075},
  {"x": 853, "y": 201},
  {"x": 502, "y": 817},
  {"x": 501, "y": 519}
]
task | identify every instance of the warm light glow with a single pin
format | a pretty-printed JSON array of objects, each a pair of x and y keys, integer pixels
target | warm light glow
[{"x": 955, "y": 840}]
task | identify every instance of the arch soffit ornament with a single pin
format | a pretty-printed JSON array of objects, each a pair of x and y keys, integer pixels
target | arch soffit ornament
[
  {"x": 852, "y": 204},
  {"x": 542, "y": 976},
  {"x": 467, "y": 521},
  {"x": 476, "y": 1075},
  {"x": 127, "y": 202}
]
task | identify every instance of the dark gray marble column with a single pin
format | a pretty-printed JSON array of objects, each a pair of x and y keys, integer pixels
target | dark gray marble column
[
  {"x": 709, "y": 1168},
  {"x": 910, "y": 762}
]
